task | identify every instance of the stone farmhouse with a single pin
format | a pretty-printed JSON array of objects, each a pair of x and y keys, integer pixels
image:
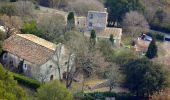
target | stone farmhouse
[
  {"x": 97, "y": 20},
  {"x": 39, "y": 57}
]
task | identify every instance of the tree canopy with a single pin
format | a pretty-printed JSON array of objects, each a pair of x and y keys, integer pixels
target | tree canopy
[
  {"x": 152, "y": 50},
  {"x": 117, "y": 8},
  {"x": 9, "y": 90},
  {"x": 54, "y": 90},
  {"x": 143, "y": 77}
]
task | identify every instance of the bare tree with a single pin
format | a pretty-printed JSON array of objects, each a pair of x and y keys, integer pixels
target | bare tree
[
  {"x": 57, "y": 3},
  {"x": 115, "y": 77},
  {"x": 24, "y": 8},
  {"x": 12, "y": 24},
  {"x": 135, "y": 23},
  {"x": 52, "y": 26}
]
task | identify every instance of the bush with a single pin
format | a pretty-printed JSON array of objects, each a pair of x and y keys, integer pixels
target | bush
[
  {"x": 31, "y": 28},
  {"x": 157, "y": 35},
  {"x": 103, "y": 95},
  {"x": 31, "y": 83}
]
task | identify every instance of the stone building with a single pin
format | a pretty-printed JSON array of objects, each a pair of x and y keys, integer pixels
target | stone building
[
  {"x": 39, "y": 57},
  {"x": 97, "y": 20},
  {"x": 81, "y": 23}
]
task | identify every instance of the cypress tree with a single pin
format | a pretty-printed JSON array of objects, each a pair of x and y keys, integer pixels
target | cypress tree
[
  {"x": 93, "y": 34},
  {"x": 111, "y": 39},
  {"x": 70, "y": 21},
  {"x": 152, "y": 50}
]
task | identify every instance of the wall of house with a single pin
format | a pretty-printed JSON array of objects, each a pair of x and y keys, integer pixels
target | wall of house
[
  {"x": 81, "y": 23},
  {"x": 96, "y": 20},
  {"x": 50, "y": 69},
  {"x": 9, "y": 60}
]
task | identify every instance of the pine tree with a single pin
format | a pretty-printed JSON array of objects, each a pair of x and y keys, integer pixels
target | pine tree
[{"x": 152, "y": 50}]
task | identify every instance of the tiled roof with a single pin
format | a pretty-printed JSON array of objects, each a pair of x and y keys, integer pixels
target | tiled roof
[
  {"x": 117, "y": 33},
  {"x": 30, "y": 48}
]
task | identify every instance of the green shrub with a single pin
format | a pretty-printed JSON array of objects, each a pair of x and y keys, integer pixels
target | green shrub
[
  {"x": 26, "y": 81},
  {"x": 103, "y": 95},
  {"x": 31, "y": 28},
  {"x": 158, "y": 36}
]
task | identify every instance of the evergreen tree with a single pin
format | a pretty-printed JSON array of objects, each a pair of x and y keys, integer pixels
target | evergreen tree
[
  {"x": 9, "y": 89},
  {"x": 111, "y": 39},
  {"x": 70, "y": 21},
  {"x": 152, "y": 50},
  {"x": 93, "y": 34}
]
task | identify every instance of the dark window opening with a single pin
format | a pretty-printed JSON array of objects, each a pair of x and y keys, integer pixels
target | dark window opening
[{"x": 51, "y": 77}]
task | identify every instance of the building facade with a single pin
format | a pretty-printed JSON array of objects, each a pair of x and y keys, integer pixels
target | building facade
[
  {"x": 38, "y": 58},
  {"x": 96, "y": 20}
]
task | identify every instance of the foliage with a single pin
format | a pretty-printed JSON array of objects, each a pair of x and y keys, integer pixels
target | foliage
[
  {"x": 103, "y": 95},
  {"x": 152, "y": 50},
  {"x": 54, "y": 90},
  {"x": 114, "y": 76},
  {"x": 31, "y": 28},
  {"x": 13, "y": 0},
  {"x": 31, "y": 83},
  {"x": 117, "y": 8},
  {"x": 93, "y": 34},
  {"x": 8, "y": 87},
  {"x": 134, "y": 24},
  {"x": 157, "y": 35},
  {"x": 70, "y": 21},
  {"x": 143, "y": 77},
  {"x": 105, "y": 48},
  {"x": 8, "y": 9},
  {"x": 111, "y": 38},
  {"x": 54, "y": 33}
]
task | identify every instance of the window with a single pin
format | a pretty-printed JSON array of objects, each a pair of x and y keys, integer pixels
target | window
[
  {"x": 50, "y": 66},
  {"x": 51, "y": 77},
  {"x": 25, "y": 66},
  {"x": 4, "y": 56},
  {"x": 90, "y": 24},
  {"x": 91, "y": 16},
  {"x": 66, "y": 63},
  {"x": 78, "y": 22}
]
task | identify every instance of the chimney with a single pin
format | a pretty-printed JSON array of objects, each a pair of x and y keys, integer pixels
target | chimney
[{"x": 105, "y": 9}]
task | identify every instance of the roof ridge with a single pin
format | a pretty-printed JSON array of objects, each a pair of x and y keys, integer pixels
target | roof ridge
[{"x": 36, "y": 42}]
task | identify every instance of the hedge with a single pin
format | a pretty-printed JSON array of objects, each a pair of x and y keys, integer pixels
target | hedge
[
  {"x": 26, "y": 81},
  {"x": 157, "y": 35},
  {"x": 103, "y": 95}
]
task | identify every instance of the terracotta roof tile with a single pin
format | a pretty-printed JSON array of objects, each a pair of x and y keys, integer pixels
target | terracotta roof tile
[{"x": 29, "y": 47}]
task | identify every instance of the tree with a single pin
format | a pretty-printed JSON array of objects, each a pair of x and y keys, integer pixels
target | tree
[
  {"x": 57, "y": 3},
  {"x": 54, "y": 33},
  {"x": 8, "y": 87},
  {"x": 31, "y": 28},
  {"x": 53, "y": 90},
  {"x": 8, "y": 9},
  {"x": 12, "y": 24},
  {"x": 117, "y": 8},
  {"x": 115, "y": 77},
  {"x": 24, "y": 8},
  {"x": 70, "y": 21},
  {"x": 144, "y": 77},
  {"x": 135, "y": 23},
  {"x": 93, "y": 37},
  {"x": 111, "y": 39},
  {"x": 152, "y": 50}
]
